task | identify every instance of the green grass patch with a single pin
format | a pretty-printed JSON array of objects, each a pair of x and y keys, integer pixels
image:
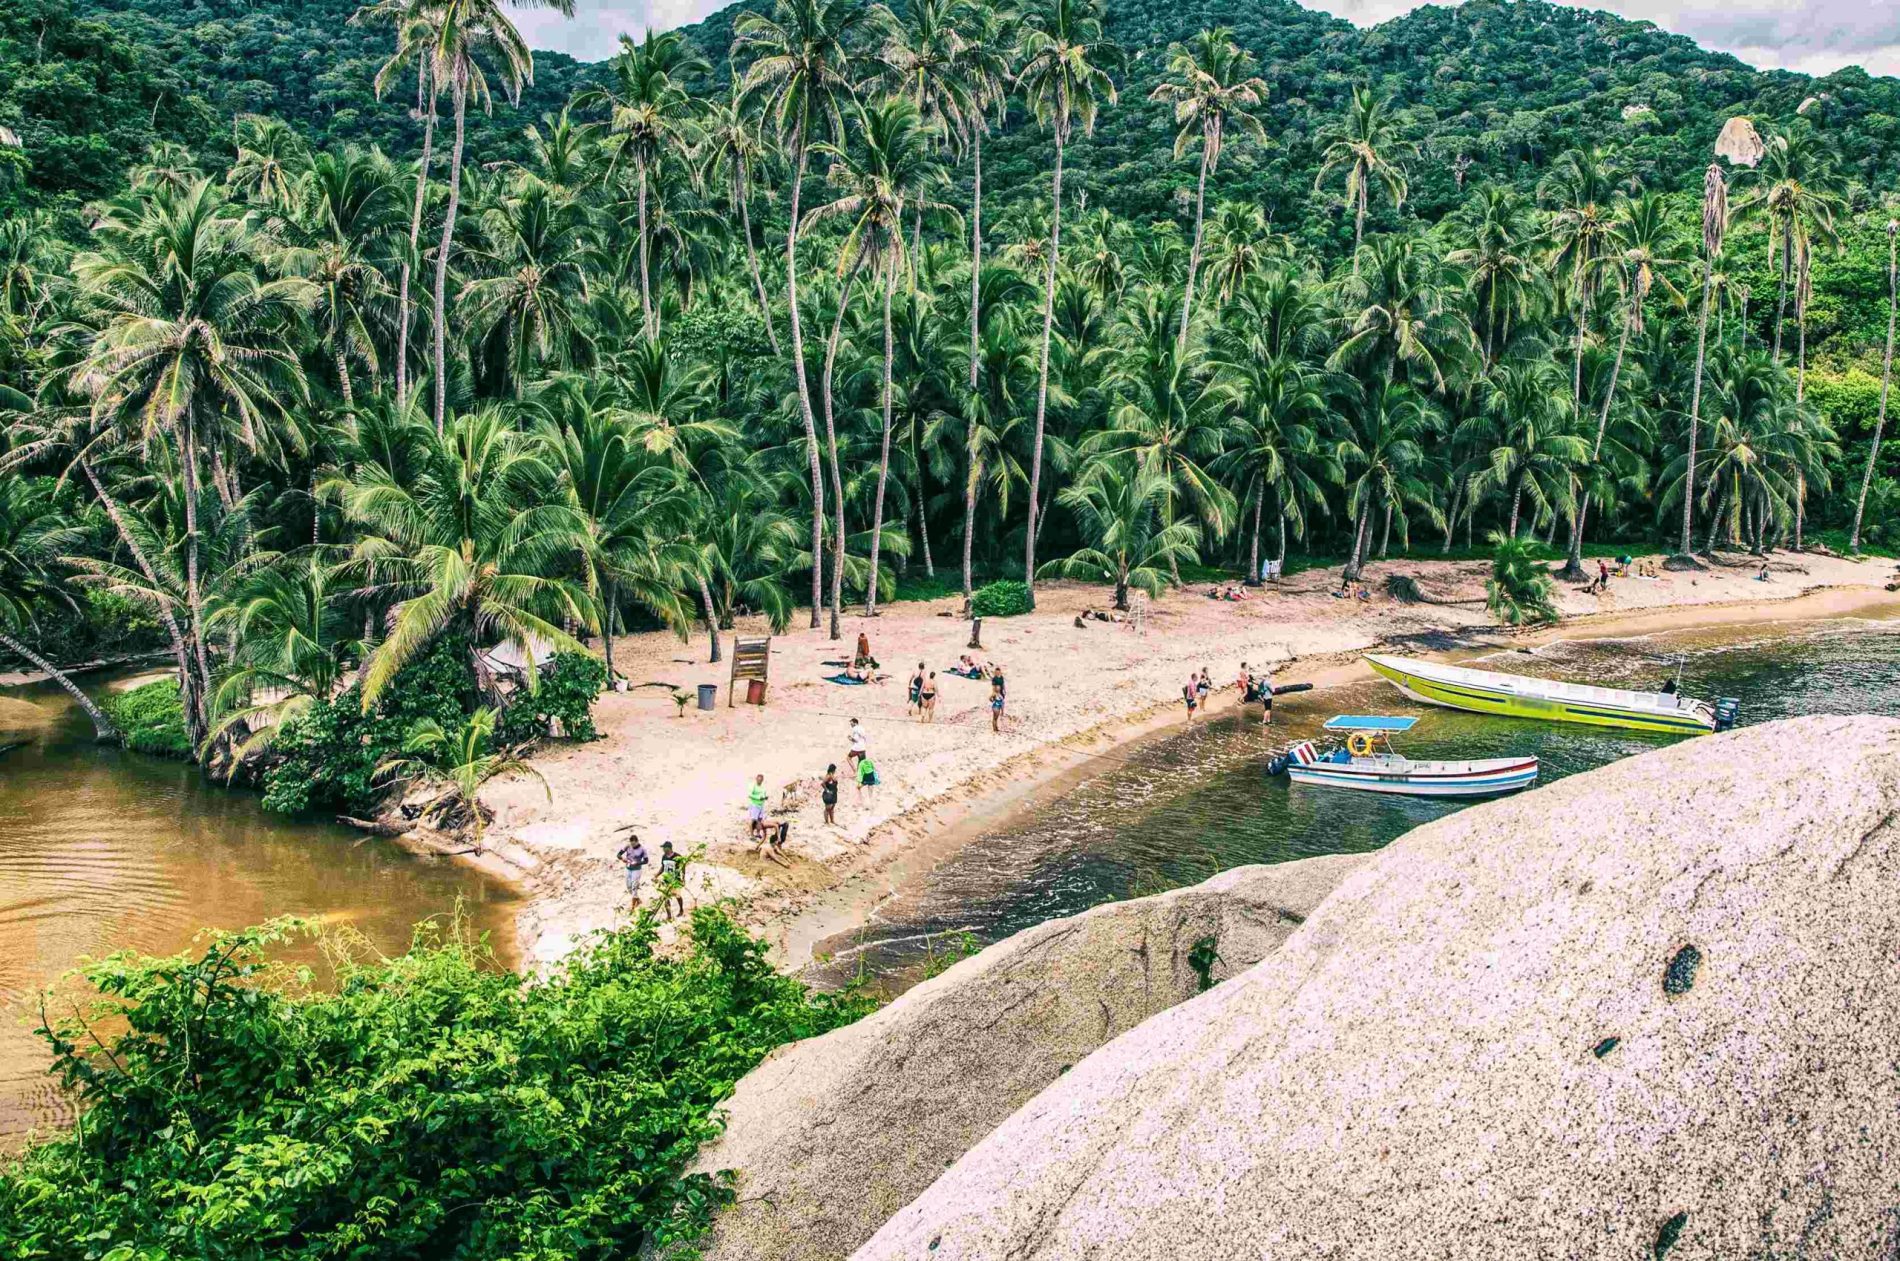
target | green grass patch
[{"x": 151, "y": 718}]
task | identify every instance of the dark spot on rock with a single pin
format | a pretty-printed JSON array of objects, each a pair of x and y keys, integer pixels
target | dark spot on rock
[
  {"x": 1666, "y": 1235},
  {"x": 1065, "y": 1068},
  {"x": 1679, "y": 976},
  {"x": 1604, "y": 1047},
  {"x": 1586, "y": 886},
  {"x": 935, "y": 1241}
]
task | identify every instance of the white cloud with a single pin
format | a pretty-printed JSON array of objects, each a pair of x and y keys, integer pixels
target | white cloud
[{"x": 1814, "y": 36}]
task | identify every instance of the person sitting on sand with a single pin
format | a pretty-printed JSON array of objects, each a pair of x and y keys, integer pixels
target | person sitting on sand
[{"x": 772, "y": 840}]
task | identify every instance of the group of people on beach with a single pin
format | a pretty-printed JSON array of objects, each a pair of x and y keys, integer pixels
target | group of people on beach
[
  {"x": 672, "y": 879},
  {"x": 1253, "y": 689}
]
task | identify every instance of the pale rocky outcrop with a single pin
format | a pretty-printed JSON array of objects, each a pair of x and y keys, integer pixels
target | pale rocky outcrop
[
  {"x": 1647, "y": 1011},
  {"x": 831, "y": 1136}
]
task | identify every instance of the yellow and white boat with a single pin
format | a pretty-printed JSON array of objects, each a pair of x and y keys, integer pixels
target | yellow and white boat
[{"x": 1553, "y": 700}]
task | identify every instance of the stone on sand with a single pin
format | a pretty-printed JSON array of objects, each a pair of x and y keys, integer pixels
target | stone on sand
[
  {"x": 1647, "y": 1011},
  {"x": 831, "y": 1136}
]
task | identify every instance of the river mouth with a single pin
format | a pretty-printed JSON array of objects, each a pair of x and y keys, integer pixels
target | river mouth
[
  {"x": 104, "y": 850},
  {"x": 1173, "y": 811}
]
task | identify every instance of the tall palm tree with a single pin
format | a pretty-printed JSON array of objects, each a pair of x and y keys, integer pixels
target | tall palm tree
[
  {"x": 1065, "y": 80},
  {"x": 1580, "y": 189},
  {"x": 1210, "y": 88},
  {"x": 468, "y": 34},
  {"x": 890, "y": 170},
  {"x": 1795, "y": 192},
  {"x": 1400, "y": 317},
  {"x": 802, "y": 72},
  {"x": 733, "y": 147},
  {"x": 921, "y": 60},
  {"x": 1502, "y": 277},
  {"x": 1526, "y": 436},
  {"x": 1381, "y": 449},
  {"x": 649, "y": 119},
  {"x": 1274, "y": 450},
  {"x": 1368, "y": 146},
  {"x": 985, "y": 48},
  {"x": 189, "y": 347},
  {"x": 34, "y": 532},
  {"x": 1886, "y": 379},
  {"x": 535, "y": 251},
  {"x": 271, "y": 157}
]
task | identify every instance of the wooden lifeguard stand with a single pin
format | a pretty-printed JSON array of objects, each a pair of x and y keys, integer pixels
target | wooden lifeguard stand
[{"x": 751, "y": 659}]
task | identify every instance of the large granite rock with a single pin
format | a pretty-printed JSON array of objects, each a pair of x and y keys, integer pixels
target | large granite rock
[
  {"x": 831, "y": 1136},
  {"x": 1649, "y": 1011}
]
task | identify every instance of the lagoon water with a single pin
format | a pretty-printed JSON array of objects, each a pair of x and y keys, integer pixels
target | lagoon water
[
  {"x": 104, "y": 850},
  {"x": 1177, "y": 810}
]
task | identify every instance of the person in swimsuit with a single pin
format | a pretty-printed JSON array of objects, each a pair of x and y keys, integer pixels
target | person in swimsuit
[
  {"x": 927, "y": 699},
  {"x": 916, "y": 695},
  {"x": 997, "y": 698},
  {"x": 1191, "y": 693},
  {"x": 828, "y": 794}
]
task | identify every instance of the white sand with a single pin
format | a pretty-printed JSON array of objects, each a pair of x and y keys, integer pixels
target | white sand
[{"x": 684, "y": 779}]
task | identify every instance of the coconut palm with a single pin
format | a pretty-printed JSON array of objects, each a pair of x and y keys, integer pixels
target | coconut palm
[
  {"x": 475, "y": 540},
  {"x": 802, "y": 73},
  {"x": 1120, "y": 506},
  {"x": 1886, "y": 379},
  {"x": 1501, "y": 275},
  {"x": 470, "y": 39},
  {"x": 35, "y": 532},
  {"x": 1210, "y": 88},
  {"x": 1241, "y": 246},
  {"x": 649, "y": 120},
  {"x": 921, "y": 59},
  {"x": 461, "y": 760},
  {"x": 1525, "y": 431},
  {"x": 1400, "y": 319},
  {"x": 1065, "y": 80},
  {"x": 1381, "y": 450},
  {"x": 1794, "y": 191},
  {"x": 1367, "y": 146},
  {"x": 1580, "y": 190},
  {"x": 534, "y": 253},
  {"x": 985, "y": 48},
  {"x": 1274, "y": 450},
  {"x": 271, "y": 157},
  {"x": 733, "y": 148},
  {"x": 292, "y": 636}
]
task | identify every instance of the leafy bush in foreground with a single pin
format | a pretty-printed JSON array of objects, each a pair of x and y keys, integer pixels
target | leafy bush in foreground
[
  {"x": 1000, "y": 599},
  {"x": 428, "y": 1106},
  {"x": 150, "y": 718},
  {"x": 1520, "y": 588}
]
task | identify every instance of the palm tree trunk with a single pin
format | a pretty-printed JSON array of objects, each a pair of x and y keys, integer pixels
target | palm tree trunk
[
  {"x": 343, "y": 380},
  {"x": 1253, "y": 549},
  {"x": 1886, "y": 385},
  {"x": 923, "y": 512},
  {"x": 607, "y": 628},
  {"x": 1573, "y": 566},
  {"x": 976, "y": 262},
  {"x": 1781, "y": 293},
  {"x": 440, "y": 332},
  {"x": 1194, "y": 251},
  {"x": 425, "y": 107},
  {"x": 1385, "y": 539},
  {"x": 1800, "y": 396},
  {"x": 646, "y": 285},
  {"x": 804, "y": 385},
  {"x": 884, "y": 454},
  {"x": 1517, "y": 502},
  {"x": 1358, "y": 537},
  {"x": 194, "y": 604},
  {"x": 101, "y": 725},
  {"x": 831, "y": 443},
  {"x": 712, "y": 619},
  {"x": 1695, "y": 408},
  {"x": 1451, "y": 517},
  {"x": 1716, "y": 521},
  {"x": 1042, "y": 387},
  {"x": 1279, "y": 520},
  {"x": 740, "y": 196},
  {"x": 969, "y": 519},
  {"x": 1358, "y": 228}
]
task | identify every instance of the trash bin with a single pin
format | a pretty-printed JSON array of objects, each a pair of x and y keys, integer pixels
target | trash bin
[
  {"x": 707, "y": 692},
  {"x": 755, "y": 692}
]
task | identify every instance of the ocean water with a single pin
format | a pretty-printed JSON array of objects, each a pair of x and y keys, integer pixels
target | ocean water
[{"x": 1182, "y": 808}]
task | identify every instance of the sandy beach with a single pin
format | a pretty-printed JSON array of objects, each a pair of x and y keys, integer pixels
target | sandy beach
[{"x": 1073, "y": 691}]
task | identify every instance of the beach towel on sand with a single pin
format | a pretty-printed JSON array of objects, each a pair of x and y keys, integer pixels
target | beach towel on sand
[{"x": 845, "y": 680}]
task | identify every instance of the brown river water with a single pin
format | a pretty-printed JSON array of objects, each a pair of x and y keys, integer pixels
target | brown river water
[{"x": 104, "y": 850}]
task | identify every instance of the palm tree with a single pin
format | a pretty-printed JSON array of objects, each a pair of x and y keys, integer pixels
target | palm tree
[
  {"x": 1796, "y": 196},
  {"x": 291, "y": 638},
  {"x": 1242, "y": 246},
  {"x": 1400, "y": 320},
  {"x": 1519, "y": 588},
  {"x": 536, "y": 249},
  {"x": 802, "y": 71},
  {"x": 1210, "y": 88},
  {"x": 921, "y": 60},
  {"x": 994, "y": 410},
  {"x": 1275, "y": 447},
  {"x": 1065, "y": 79},
  {"x": 1120, "y": 506},
  {"x": 1524, "y": 432},
  {"x": 473, "y": 540},
  {"x": 34, "y": 533},
  {"x": 461, "y": 761},
  {"x": 985, "y": 46},
  {"x": 1369, "y": 147},
  {"x": 271, "y": 157},
  {"x": 1382, "y": 449},
  {"x": 1579, "y": 189},
  {"x": 189, "y": 347},
  {"x": 733, "y": 147},
  {"x": 1886, "y": 380},
  {"x": 466, "y": 34},
  {"x": 890, "y": 170},
  {"x": 1642, "y": 237},
  {"x": 650, "y": 118},
  {"x": 1502, "y": 278}
]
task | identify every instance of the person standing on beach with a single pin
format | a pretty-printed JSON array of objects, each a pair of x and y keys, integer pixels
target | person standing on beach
[
  {"x": 915, "y": 695},
  {"x": 859, "y": 745},
  {"x": 755, "y": 807},
  {"x": 672, "y": 879},
  {"x": 828, "y": 794},
  {"x": 633, "y": 856},
  {"x": 1191, "y": 694},
  {"x": 867, "y": 777},
  {"x": 927, "y": 699},
  {"x": 1264, "y": 685},
  {"x": 997, "y": 698}
]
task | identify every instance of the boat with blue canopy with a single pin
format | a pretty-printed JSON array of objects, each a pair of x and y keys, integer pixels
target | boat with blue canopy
[{"x": 1366, "y": 761}]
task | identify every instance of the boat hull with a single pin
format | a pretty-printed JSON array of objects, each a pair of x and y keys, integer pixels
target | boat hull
[
  {"x": 1492, "y": 778},
  {"x": 1501, "y": 699}
]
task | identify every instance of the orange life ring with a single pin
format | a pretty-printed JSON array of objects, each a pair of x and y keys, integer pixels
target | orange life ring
[{"x": 1359, "y": 744}]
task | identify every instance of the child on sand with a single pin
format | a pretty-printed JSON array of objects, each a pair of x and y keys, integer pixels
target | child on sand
[{"x": 755, "y": 806}]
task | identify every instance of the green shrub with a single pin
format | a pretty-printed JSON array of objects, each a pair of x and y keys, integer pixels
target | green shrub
[
  {"x": 151, "y": 718},
  {"x": 1520, "y": 588},
  {"x": 569, "y": 687},
  {"x": 427, "y": 1106},
  {"x": 326, "y": 757},
  {"x": 1002, "y": 598}
]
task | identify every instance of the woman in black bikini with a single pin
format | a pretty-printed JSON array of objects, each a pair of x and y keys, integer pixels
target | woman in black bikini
[
  {"x": 927, "y": 699},
  {"x": 829, "y": 794}
]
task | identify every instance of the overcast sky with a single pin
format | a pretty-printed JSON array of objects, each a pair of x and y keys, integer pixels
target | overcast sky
[{"x": 1816, "y": 36}]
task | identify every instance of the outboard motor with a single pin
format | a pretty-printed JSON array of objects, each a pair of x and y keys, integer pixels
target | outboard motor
[
  {"x": 1279, "y": 764},
  {"x": 1727, "y": 710}
]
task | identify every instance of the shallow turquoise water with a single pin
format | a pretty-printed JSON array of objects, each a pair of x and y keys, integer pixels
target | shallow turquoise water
[{"x": 1178, "y": 810}]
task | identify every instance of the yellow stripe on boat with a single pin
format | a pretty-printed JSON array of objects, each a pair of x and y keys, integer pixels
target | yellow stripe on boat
[{"x": 1551, "y": 700}]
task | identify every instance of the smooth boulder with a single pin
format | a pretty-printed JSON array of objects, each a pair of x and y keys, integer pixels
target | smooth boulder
[
  {"x": 830, "y": 1136},
  {"x": 1648, "y": 1011}
]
